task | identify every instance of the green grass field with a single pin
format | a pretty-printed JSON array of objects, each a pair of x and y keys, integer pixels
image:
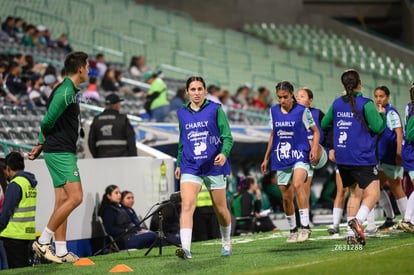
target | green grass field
[{"x": 265, "y": 253}]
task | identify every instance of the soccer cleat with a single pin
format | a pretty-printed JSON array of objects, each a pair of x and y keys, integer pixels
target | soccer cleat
[
  {"x": 183, "y": 253},
  {"x": 292, "y": 237},
  {"x": 385, "y": 227},
  {"x": 46, "y": 251},
  {"x": 226, "y": 250},
  {"x": 303, "y": 235},
  {"x": 69, "y": 258},
  {"x": 333, "y": 229},
  {"x": 406, "y": 226},
  {"x": 351, "y": 240},
  {"x": 358, "y": 230}
]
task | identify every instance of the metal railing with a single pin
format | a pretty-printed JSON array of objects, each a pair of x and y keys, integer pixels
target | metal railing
[
  {"x": 6, "y": 144},
  {"x": 155, "y": 30}
]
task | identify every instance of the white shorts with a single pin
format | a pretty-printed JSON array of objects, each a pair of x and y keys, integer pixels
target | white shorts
[
  {"x": 211, "y": 182},
  {"x": 284, "y": 177}
]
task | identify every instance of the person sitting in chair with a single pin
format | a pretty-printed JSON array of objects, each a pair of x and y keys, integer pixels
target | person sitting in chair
[
  {"x": 248, "y": 203},
  {"x": 118, "y": 221}
]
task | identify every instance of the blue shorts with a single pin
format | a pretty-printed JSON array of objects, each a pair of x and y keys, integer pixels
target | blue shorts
[{"x": 211, "y": 182}]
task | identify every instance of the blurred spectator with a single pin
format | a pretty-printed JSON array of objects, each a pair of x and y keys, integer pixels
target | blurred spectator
[
  {"x": 63, "y": 43},
  {"x": 14, "y": 82},
  {"x": 92, "y": 93},
  {"x": 31, "y": 67},
  {"x": 4, "y": 92},
  {"x": 122, "y": 88},
  {"x": 41, "y": 34},
  {"x": 261, "y": 98},
  {"x": 108, "y": 82},
  {"x": 101, "y": 65},
  {"x": 227, "y": 104},
  {"x": 179, "y": 100},
  {"x": 8, "y": 27},
  {"x": 19, "y": 26},
  {"x": 137, "y": 66},
  {"x": 111, "y": 133},
  {"x": 50, "y": 83},
  {"x": 28, "y": 37},
  {"x": 3, "y": 35},
  {"x": 156, "y": 104},
  {"x": 214, "y": 93},
  {"x": 38, "y": 98},
  {"x": 242, "y": 95}
]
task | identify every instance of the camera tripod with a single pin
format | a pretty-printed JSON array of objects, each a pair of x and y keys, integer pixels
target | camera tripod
[{"x": 160, "y": 232}]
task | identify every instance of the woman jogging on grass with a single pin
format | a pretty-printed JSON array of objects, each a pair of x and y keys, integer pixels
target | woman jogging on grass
[
  {"x": 356, "y": 124},
  {"x": 291, "y": 153},
  {"x": 203, "y": 150}
]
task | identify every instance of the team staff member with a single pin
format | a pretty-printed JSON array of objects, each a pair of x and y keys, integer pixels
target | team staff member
[
  {"x": 291, "y": 153},
  {"x": 356, "y": 124},
  {"x": 203, "y": 150},
  {"x": 111, "y": 133},
  {"x": 58, "y": 137},
  {"x": 17, "y": 219}
]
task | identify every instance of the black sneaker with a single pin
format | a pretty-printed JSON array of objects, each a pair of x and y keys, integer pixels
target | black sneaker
[{"x": 389, "y": 223}]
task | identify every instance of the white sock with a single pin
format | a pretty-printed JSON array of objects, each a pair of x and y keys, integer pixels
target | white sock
[
  {"x": 46, "y": 236},
  {"x": 371, "y": 217},
  {"x": 185, "y": 235},
  {"x": 362, "y": 214},
  {"x": 337, "y": 215},
  {"x": 349, "y": 229},
  {"x": 291, "y": 221},
  {"x": 61, "y": 248},
  {"x": 410, "y": 208},
  {"x": 385, "y": 203},
  {"x": 304, "y": 216},
  {"x": 225, "y": 234},
  {"x": 402, "y": 205}
]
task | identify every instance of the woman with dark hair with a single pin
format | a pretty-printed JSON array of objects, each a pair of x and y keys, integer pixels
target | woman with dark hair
[
  {"x": 203, "y": 150},
  {"x": 356, "y": 125},
  {"x": 390, "y": 161},
  {"x": 407, "y": 223},
  {"x": 304, "y": 96},
  {"x": 291, "y": 153},
  {"x": 248, "y": 203},
  {"x": 121, "y": 222}
]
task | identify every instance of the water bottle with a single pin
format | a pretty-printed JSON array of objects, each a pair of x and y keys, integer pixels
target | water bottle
[{"x": 163, "y": 183}]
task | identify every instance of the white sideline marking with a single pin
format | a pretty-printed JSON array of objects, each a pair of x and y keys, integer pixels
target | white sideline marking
[{"x": 389, "y": 248}]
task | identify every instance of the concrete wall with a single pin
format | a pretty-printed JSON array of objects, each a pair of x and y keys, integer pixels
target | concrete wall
[{"x": 138, "y": 174}]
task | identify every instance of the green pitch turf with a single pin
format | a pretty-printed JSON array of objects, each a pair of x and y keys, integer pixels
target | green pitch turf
[{"x": 265, "y": 253}]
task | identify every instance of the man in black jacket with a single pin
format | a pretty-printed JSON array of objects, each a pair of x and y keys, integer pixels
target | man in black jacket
[{"x": 111, "y": 134}]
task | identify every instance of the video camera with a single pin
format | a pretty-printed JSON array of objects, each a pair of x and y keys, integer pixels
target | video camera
[{"x": 175, "y": 198}]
